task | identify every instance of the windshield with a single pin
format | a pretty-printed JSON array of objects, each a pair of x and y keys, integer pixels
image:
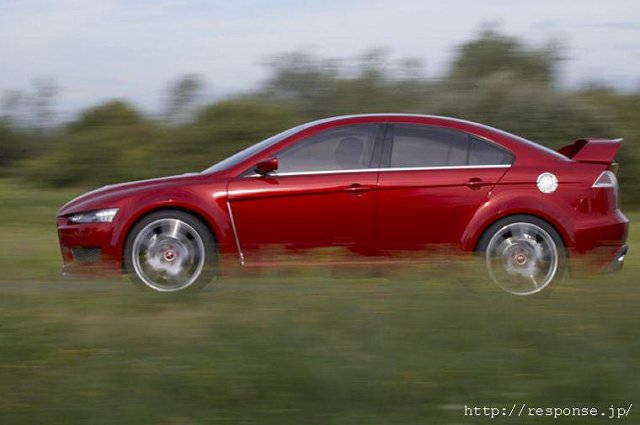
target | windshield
[{"x": 238, "y": 157}]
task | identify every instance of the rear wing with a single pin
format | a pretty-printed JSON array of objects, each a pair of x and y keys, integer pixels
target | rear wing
[{"x": 597, "y": 151}]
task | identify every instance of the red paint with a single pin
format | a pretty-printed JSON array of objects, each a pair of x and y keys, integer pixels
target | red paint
[{"x": 371, "y": 212}]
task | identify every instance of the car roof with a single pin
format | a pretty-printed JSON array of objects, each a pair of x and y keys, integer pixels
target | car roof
[{"x": 459, "y": 123}]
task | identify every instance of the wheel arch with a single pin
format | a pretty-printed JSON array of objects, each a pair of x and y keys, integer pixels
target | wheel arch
[
  {"x": 126, "y": 230},
  {"x": 492, "y": 212},
  {"x": 547, "y": 220}
]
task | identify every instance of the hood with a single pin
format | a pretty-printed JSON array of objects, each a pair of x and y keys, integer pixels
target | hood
[{"x": 108, "y": 196}]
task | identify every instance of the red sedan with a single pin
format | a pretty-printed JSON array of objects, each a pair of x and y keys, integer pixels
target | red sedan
[{"x": 371, "y": 184}]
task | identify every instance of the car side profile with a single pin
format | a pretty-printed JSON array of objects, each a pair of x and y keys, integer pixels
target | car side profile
[{"x": 374, "y": 185}]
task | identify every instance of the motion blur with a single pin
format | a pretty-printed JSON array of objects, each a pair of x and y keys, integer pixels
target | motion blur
[{"x": 411, "y": 343}]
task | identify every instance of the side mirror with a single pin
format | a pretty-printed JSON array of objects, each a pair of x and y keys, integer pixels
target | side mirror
[{"x": 266, "y": 167}]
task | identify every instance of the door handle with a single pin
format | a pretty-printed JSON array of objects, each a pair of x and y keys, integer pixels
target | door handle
[
  {"x": 476, "y": 183},
  {"x": 356, "y": 189}
]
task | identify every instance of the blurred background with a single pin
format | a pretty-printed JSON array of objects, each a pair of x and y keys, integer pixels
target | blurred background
[
  {"x": 99, "y": 92},
  {"x": 174, "y": 86}
]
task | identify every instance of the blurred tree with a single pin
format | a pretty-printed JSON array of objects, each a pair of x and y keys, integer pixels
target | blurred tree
[
  {"x": 499, "y": 81},
  {"x": 16, "y": 145},
  {"x": 323, "y": 87},
  {"x": 493, "y": 53},
  {"x": 8, "y": 146},
  {"x": 13, "y": 105},
  {"x": 183, "y": 97},
  {"x": 108, "y": 143},
  {"x": 531, "y": 110},
  {"x": 114, "y": 113},
  {"x": 223, "y": 128},
  {"x": 304, "y": 80},
  {"x": 45, "y": 92}
]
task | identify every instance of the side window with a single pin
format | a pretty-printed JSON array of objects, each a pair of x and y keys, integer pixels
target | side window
[
  {"x": 423, "y": 146},
  {"x": 418, "y": 146},
  {"x": 484, "y": 153},
  {"x": 344, "y": 148}
]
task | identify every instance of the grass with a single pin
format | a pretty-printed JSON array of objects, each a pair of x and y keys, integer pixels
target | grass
[
  {"x": 28, "y": 227},
  {"x": 308, "y": 348}
]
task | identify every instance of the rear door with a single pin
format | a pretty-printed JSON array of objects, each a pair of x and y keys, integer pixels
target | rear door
[{"x": 434, "y": 180}]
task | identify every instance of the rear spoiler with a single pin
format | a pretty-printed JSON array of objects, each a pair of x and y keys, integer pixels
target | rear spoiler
[{"x": 598, "y": 151}]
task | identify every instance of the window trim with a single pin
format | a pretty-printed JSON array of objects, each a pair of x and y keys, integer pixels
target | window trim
[{"x": 383, "y": 170}]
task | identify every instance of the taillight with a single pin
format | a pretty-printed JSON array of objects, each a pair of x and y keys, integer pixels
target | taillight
[{"x": 606, "y": 179}]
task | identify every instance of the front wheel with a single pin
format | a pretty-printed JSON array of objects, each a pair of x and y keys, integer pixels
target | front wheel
[
  {"x": 523, "y": 254},
  {"x": 170, "y": 251}
]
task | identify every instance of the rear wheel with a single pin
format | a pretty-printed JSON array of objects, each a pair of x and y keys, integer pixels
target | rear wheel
[
  {"x": 523, "y": 254},
  {"x": 170, "y": 251}
]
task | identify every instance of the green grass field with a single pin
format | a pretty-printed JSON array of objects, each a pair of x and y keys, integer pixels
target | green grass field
[{"x": 301, "y": 348}]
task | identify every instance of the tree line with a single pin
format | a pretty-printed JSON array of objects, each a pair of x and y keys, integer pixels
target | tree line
[{"x": 494, "y": 79}]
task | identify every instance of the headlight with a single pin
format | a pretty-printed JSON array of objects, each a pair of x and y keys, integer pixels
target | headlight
[{"x": 97, "y": 216}]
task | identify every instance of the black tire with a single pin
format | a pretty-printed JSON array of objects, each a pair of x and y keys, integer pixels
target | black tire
[
  {"x": 170, "y": 251},
  {"x": 523, "y": 254}
]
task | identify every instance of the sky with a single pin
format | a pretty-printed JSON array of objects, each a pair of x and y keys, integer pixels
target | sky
[{"x": 100, "y": 49}]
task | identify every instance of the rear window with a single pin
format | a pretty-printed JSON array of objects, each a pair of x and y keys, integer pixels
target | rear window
[
  {"x": 421, "y": 146},
  {"x": 486, "y": 153}
]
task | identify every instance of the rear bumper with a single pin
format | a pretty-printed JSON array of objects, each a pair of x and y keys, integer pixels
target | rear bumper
[
  {"x": 600, "y": 246},
  {"x": 618, "y": 260}
]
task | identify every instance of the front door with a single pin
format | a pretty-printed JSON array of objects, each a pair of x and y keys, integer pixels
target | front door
[{"x": 322, "y": 195}]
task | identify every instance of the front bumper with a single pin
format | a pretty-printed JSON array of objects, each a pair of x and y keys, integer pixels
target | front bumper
[{"x": 88, "y": 250}]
